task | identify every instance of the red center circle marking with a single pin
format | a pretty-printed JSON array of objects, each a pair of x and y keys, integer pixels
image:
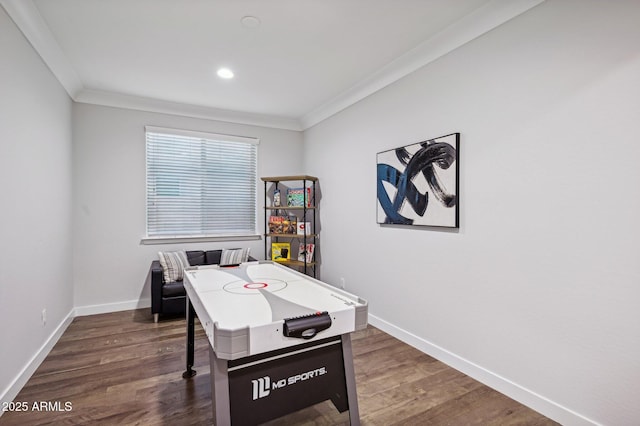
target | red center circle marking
[{"x": 254, "y": 286}]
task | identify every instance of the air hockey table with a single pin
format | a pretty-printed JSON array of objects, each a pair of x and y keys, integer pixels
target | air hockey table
[{"x": 279, "y": 340}]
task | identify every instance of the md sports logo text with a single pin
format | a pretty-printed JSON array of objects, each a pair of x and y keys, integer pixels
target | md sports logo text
[{"x": 263, "y": 386}]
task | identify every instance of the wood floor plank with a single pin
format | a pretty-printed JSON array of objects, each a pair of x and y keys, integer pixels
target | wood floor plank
[{"x": 122, "y": 368}]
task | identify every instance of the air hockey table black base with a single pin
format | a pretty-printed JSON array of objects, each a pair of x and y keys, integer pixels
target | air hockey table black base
[{"x": 259, "y": 388}]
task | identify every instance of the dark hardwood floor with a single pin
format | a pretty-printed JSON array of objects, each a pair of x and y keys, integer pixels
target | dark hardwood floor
[{"x": 122, "y": 368}]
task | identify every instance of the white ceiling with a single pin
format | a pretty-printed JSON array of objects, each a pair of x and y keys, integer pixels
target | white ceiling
[{"x": 307, "y": 60}]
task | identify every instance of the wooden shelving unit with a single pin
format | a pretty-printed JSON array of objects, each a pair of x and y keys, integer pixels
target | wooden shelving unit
[{"x": 306, "y": 213}]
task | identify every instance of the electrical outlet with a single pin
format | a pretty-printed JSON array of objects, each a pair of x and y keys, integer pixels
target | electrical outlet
[
  {"x": 343, "y": 284},
  {"x": 44, "y": 316}
]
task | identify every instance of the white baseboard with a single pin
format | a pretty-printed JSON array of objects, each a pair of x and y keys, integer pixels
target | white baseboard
[
  {"x": 106, "y": 308},
  {"x": 514, "y": 391},
  {"x": 21, "y": 379},
  {"x": 531, "y": 399}
]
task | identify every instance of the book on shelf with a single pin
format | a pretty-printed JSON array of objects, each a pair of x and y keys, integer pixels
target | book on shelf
[
  {"x": 303, "y": 228},
  {"x": 296, "y": 197},
  {"x": 276, "y": 224},
  {"x": 276, "y": 198},
  {"x": 289, "y": 225},
  {"x": 306, "y": 252},
  {"x": 280, "y": 252}
]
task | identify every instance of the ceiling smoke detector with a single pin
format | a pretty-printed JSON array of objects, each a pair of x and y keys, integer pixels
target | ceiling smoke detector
[{"x": 250, "y": 22}]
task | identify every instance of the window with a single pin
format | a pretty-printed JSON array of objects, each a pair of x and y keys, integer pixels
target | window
[{"x": 200, "y": 185}]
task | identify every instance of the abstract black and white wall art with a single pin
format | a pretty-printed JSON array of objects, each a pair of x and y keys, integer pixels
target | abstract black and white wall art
[{"x": 418, "y": 184}]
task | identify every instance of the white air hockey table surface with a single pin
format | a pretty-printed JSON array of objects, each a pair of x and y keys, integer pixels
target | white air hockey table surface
[
  {"x": 279, "y": 340},
  {"x": 242, "y": 308}
]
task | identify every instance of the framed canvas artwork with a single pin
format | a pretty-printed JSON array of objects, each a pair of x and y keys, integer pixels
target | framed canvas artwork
[{"x": 418, "y": 184}]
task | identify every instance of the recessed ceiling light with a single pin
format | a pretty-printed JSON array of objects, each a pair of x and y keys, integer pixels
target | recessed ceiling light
[
  {"x": 250, "y": 22},
  {"x": 225, "y": 73}
]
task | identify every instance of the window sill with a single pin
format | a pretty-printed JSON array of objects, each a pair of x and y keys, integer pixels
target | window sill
[{"x": 179, "y": 240}]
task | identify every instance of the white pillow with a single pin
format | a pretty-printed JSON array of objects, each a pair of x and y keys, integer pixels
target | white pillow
[
  {"x": 173, "y": 264},
  {"x": 234, "y": 256}
]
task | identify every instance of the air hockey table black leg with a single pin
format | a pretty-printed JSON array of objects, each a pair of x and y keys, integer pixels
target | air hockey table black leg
[
  {"x": 350, "y": 380},
  {"x": 191, "y": 313}
]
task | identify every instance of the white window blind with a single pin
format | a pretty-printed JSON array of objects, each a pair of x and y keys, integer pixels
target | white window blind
[{"x": 200, "y": 184}]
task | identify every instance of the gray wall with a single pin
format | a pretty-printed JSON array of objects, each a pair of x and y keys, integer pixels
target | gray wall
[
  {"x": 537, "y": 292},
  {"x": 110, "y": 265},
  {"x": 71, "y": 230},
  {"x": 35, "y": 206}
]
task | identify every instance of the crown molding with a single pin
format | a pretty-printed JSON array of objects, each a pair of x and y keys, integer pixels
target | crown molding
[
  {"x": 139, "y": 103},
  {"x": 26, "y": 16},
  {"x": 468, "y": 28}
]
